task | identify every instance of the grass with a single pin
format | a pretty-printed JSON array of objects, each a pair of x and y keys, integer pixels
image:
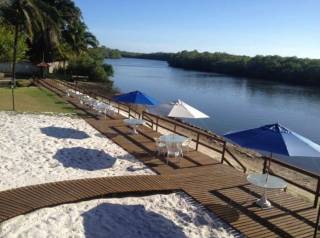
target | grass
[{"x": 33, "y": 99}]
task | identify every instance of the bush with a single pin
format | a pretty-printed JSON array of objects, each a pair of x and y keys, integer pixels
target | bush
[
  {"x": 86, "y": 65},
  {"x": 24, "y": 83}
]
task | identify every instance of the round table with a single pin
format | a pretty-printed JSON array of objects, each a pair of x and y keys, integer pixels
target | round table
[
  {"x": 134, "y": 123},
  {"x": 172, "y": 138},
  {"x": 266, "y": 181}
]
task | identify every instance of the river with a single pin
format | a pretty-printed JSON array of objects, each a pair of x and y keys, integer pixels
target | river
[{"x": 232, "y": 103}]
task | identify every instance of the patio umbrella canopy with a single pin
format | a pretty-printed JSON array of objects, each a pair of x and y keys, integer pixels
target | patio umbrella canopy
[
  {"x": 179, "y": 109},
  {"x": 276, "y": 139},
  {"x": 136, "y": 97}
]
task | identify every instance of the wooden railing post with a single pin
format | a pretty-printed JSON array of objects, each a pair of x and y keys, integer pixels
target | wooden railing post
[
  {"x": 264, "y": 170},
  {"x": 223, "y": 151},
  {"x": 129, "y": 112},
  {"x": 316, "y": 196},
  {"x": 316, "y": 228},
  {"x": 157, "y": 124},
  {"x": 174, "y": 127},
  {"x": 197, "y": 142}
]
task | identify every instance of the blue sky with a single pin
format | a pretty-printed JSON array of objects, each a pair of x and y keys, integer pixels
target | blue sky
[{"x": 249, "y": 27}]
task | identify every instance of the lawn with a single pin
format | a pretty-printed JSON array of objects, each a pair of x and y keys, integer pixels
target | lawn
[{"x": 34, "y": 99}]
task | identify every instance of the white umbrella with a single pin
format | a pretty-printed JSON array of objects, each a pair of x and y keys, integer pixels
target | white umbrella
[{"x": 179, "y": 109}]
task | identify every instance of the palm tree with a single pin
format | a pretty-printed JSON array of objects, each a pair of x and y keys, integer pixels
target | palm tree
[
  {"x": 28, "y": 16},
  {"x": 79, "y": 38},
  {"x": 73, "y": 39}
]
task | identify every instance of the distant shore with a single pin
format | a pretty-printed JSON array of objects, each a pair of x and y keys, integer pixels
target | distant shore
[{"x": 292, "y": 70}]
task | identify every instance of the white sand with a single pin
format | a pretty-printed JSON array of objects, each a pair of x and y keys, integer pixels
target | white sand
[
  {"x": 152, "y": 216},
  {"x": 41, "y": 148},
  {"x": 38, "y": 148}
]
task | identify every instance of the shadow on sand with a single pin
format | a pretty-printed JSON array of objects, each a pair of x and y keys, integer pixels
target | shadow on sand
[
  {"x": 115, "y": 220},
  {"x": 86, "y": 159},
  {"x": 64, "y": 133}
]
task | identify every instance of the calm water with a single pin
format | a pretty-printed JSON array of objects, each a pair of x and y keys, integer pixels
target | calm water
[{"x": 231, "y": 103}]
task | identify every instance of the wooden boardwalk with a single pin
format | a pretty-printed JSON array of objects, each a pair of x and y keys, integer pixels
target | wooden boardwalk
[{"x": 217, "y": 187}]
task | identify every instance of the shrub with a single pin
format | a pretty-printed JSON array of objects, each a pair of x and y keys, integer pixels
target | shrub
[
  {"x": 24, "y": 83},
  {"x": 88, "y": 65}
]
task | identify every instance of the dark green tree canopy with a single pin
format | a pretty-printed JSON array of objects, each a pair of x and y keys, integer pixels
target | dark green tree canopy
[{"x": 55, "y": 29}]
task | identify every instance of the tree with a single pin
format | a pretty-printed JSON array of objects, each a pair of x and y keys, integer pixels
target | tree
[
  {"x": 26, "y": 16},
  {"x": 73, "y": 37},
  {"x": 6, "y": 49}
]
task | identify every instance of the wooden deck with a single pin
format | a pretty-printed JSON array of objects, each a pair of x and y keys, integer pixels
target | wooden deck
[{"x": 217, "y": 187}]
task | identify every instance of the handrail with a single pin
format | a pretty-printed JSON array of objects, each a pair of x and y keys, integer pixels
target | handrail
[
  {"x": 155, "y": 121},
  {"x": 95, "y": 95},
  {"x": 236, "y": 159},
  {"x": 150, "y": 116}
]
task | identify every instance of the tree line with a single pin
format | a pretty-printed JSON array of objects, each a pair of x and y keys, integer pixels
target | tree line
[
  {"x": 154, "y": 56},
  {"x": 274, "y": 68},
  {"x": 277, "y": 68}
]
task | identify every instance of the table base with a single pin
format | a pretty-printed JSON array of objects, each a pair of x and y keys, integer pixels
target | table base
[
  {"x": 263, "y": 202},
  {"x": 134, "y": 130}
]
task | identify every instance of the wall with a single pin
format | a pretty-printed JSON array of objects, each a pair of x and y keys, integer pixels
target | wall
[{"x": 25, "y": 68}]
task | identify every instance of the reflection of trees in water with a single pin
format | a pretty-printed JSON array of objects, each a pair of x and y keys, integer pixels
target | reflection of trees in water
[
  {"x": 252, "y": 86},
  {"x": 272, "y": 89}
]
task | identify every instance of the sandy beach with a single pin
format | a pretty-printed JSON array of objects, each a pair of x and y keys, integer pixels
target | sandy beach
[{"x": 40, "y": 148}]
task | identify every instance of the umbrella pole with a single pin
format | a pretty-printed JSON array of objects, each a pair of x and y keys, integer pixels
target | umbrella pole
[{"x": 268, "y": 167}]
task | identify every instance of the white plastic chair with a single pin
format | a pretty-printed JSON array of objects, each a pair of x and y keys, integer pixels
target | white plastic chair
[
  {"x": 186, "y": 146},
  {"x": 161, "y": 147},
  {"x": 110, "y": 110},
  {"x": 101, "y": 108},
  {"x": 173, "y": 150}
]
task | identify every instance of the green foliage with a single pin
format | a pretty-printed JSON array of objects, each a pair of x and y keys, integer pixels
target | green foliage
[
  {"x": 6, "y": 43},
  {"x": 104, "y": 52},
  {"x": 90, "y": 64},
  {"x": 154, "y": 56},
  {"x": 54, "y": 28},
  {"x": 288, "y": 69}
]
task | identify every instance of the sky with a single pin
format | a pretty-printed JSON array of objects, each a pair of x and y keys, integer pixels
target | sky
[{"x": 243, "y": 27}]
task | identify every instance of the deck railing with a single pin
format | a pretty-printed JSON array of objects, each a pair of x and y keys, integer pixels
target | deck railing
[
  {"x": 204, "y": 139},
  {"x": 198, "y": 136},
  {"x": 267, "y": 165}
]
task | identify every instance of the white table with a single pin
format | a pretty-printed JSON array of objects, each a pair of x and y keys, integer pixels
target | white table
[
  {"x": 266, "y": 181},
  {"x": 173, "y": 138},
  {"x": 134, "y": 123}
]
